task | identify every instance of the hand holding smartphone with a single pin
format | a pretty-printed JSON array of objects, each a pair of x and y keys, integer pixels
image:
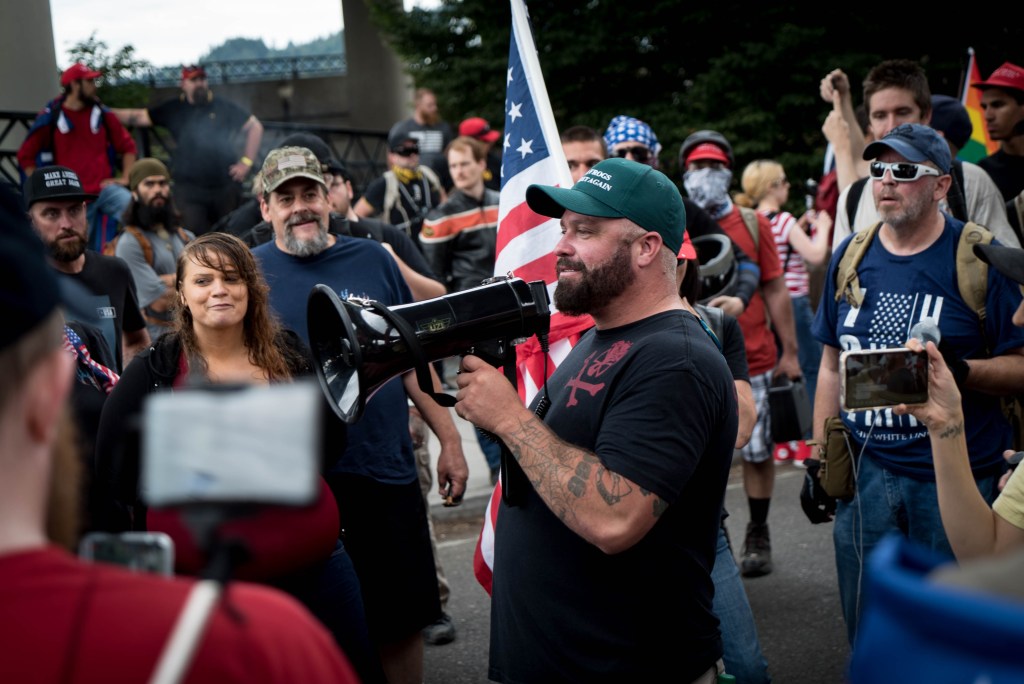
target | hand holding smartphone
[{"x": 882, "y": 378}]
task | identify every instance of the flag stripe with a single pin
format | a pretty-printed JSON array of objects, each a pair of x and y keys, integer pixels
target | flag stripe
[{"x": 532, "y": 153}]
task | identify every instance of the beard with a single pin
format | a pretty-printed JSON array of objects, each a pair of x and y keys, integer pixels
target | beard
[
  {"x": 596, "y": 287},
  {"x": 908, "y": 213},
  {"x": 306, "y": 247},
  {"x": 67, "y": 250},
  {"x": 63, "y": 513},
  {"x": 155, "y": 214}
]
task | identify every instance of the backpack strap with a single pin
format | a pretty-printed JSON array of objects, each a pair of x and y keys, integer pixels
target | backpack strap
[
  {"x": 182, "y": 235},
  {"x": 955, "y": 197},
  {"x": 110, "y": 248},
  {"x": 853, "y": 200},
  {"x": 847, "y": 282},
  {"x": 972, "y": 272},
  {"x": 750, "y": 219},
  {"x": 712, "y": 319}
]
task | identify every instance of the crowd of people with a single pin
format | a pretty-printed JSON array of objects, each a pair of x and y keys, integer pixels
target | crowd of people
[{"x": 124, "y": 277}]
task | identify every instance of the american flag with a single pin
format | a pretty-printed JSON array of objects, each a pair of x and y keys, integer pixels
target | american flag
[{"x": 532, "y": 154}]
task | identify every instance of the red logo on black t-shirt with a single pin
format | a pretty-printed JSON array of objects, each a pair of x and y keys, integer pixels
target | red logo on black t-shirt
[{"x": 594, "y": 368}]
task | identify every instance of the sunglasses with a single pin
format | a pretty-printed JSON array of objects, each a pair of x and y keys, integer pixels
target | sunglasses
[
  {"x": 407, "y": 151},
  {"x": 640, "y": 154},
  {"x": 904, "y": 172}
]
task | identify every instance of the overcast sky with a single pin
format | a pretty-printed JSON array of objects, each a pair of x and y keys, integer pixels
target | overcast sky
[{"x": 179, "y": 31}]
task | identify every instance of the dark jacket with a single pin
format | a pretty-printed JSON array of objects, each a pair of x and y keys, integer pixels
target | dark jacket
[{"x": 117, "y": 440}]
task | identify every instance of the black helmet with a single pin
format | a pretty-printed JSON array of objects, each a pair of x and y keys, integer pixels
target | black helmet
[
  {"x": 705, "y": 136},
  {"x": 718, "y": 269}
]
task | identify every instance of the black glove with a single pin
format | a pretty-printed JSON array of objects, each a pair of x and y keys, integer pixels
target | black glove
[
  {"x": 818, "y": 506},
  {"x": 957, "y": 366}
]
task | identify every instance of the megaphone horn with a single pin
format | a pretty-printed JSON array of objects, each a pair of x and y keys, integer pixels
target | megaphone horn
[{"x": 358, "y": 344}]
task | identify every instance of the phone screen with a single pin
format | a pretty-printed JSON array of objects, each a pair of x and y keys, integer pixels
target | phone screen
[
  {"x": 139, "y": 551},
  {"x": 880, "y": 378}
]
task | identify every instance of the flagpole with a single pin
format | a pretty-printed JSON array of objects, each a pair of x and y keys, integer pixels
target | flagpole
[
  {"x": 531, "y": 68},
  {"x": 967, "y": 76}
]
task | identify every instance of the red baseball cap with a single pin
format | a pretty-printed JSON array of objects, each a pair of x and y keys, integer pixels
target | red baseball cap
[
  {"x": 77, "y": 72},
  {"x": 1006, "y": 76},
  {"x": 478, "y": 128},
  {"x": 687, "y": 251},
  {"x": 192, "y": 71},
  {"x": 707, "y": 151}
]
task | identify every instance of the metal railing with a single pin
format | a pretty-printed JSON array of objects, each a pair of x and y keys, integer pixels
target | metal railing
[
  {"x": 247, "y": 70},
  {"x": 363, "y": 152}
]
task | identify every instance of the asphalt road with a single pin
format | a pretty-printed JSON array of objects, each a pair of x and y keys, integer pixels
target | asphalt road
[{"x": 796, "y": 607}]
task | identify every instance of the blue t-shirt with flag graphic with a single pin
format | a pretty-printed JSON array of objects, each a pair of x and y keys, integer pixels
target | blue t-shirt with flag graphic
[{"x": 899, "y": 292}]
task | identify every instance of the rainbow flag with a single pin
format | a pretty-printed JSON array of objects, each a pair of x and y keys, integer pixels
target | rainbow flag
[{"x": 980, "y": 145}]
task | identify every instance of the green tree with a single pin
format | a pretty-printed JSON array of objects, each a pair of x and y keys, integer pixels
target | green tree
[
  {"x": 122, "y": 82},
  {"x": 749, "y": 71}
]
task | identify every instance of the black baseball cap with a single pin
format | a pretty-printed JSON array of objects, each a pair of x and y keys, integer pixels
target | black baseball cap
[
  {"x": 55, "y": 183},
  {"x": 28, "y": 286}
]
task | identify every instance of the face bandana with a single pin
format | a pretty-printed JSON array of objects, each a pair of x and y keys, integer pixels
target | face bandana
[{"x": 709, "y": 189}]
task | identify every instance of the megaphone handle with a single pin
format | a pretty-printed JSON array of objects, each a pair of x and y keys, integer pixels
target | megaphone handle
[
  {"x": 416, "y": 351},
  {"x": 513, "y": 479}
]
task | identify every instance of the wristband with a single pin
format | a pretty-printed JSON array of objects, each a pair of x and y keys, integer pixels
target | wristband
[{"x": 246, "y": 161}]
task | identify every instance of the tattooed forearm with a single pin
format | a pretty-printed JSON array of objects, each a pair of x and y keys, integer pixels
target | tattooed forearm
[
  {"x": 952, "y": 431},
  {"x": 612, "y": 486},
  {"x": 563, "y": 475}
]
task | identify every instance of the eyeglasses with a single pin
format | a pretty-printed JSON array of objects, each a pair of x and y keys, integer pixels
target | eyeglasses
[
  {"x": 640, "y": 154},
  {"x": 904, "y": 172},
  {"x": 407, "y": 151}
]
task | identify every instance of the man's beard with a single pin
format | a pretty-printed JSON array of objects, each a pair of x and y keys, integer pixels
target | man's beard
[
  {"x": 66, "y": 251},
  {"x": 306, "y": 247},
  {"x": 201, "y": 95},
  {"x": 596, "y": 287},
  {"x": 63, "y": 512},
  {"x": 155, "y": 215},
  {"x": 908, "y": 213}
]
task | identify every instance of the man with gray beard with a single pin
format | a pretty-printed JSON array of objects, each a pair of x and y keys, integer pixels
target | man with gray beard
[
  {"x": 908, "y": 273},
  {"x": 152, "y": 241},
  {"x": 375, "y": 481}
]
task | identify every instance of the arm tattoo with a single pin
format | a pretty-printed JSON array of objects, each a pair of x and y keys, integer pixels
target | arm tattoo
[
  {"x": 548, "y": 462},
  {"x": 952, "y": 431}
]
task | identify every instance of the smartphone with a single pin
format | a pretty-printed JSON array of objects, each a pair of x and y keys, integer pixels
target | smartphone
[
  {"x": 881, "y": 378},
  {"x": 139, "y": 551}
]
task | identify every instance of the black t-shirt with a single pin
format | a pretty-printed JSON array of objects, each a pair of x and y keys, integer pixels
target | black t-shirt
[
  {"x": 204, "y": 136},
  {"x": 1006, "y": 171},
  {"x": 103, "y": 295},
  {"x": 415, "y": 199},
  {"x": 655, "y": 402}
]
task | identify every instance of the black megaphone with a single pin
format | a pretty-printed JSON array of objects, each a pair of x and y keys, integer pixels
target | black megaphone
[{"x": 359, "y": 344}]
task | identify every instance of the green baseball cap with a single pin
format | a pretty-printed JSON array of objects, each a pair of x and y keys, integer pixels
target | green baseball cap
[
  {"x": 619, "y": 188},
  {"x": 286, "y": 163}
]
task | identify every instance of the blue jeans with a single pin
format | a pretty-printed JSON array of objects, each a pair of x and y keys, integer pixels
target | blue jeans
[
  {"x": 741, "y": 650},
  {"x": 885, "y": 503},
  {"x": 110, "y": 204},
  {"x": 809, "y": 351}
]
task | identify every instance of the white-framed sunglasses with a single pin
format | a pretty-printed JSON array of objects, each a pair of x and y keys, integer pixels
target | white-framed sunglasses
[{"x": 903, "y": 172}]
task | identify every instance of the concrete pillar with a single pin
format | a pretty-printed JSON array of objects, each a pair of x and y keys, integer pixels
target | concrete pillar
[
  {"x": 29, "y": 78},
  {"x": 379, "y": 91}
]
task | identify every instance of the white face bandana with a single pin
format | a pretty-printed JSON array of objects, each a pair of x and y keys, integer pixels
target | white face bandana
[{"x": 709, "y": 189}]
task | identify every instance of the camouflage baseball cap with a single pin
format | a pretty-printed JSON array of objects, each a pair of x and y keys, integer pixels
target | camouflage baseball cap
[{"x": 286, "y": 163}]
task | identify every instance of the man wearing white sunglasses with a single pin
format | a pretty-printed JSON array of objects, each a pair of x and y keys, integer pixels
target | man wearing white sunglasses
[{"x": 908, "y": 273}]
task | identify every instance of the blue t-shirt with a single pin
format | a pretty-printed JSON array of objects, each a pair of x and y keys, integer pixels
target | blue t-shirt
[
  {"x": 378, "y": 443},
  {"x": 899, "y": 292}
]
